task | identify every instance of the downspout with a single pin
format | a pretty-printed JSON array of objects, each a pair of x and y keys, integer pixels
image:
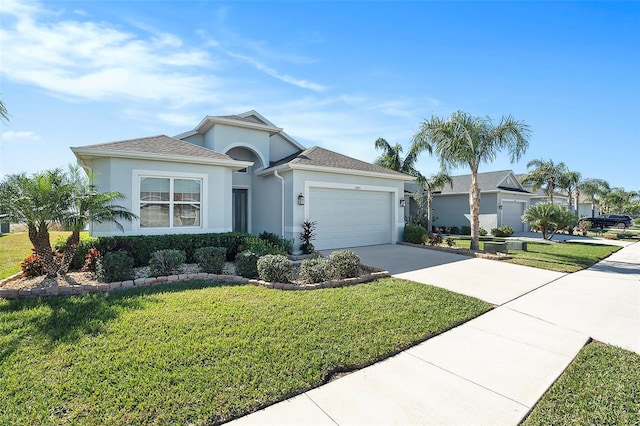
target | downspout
[{"x": 275, "y": 173}]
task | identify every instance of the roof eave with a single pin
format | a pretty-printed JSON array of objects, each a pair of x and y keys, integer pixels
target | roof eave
[{"x": 107, "y": 153}]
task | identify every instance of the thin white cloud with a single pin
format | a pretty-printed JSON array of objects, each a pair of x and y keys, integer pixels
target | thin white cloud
[
  {"x": 89, "y": 60},
  {"x": 305, "y": 84},
  {"x": 19, "y": 136}
]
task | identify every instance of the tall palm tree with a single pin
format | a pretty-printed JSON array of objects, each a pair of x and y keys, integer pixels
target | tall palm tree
[
  {"x": 37, "y": 201},
  {"x": 546, "y": 173},
  {"x": 391, "y": 158},
  {"x": 87, "y": 205},
  {"x": 569, "y": 182},
  {"x": 616, "y": 199},
  {"x": 594, "y": 189},
  {"x": 434, "y": 183},
  {"x": 464, "y": 140}
]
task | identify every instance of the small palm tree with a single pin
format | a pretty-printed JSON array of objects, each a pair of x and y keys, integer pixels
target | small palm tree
[
  {"x": 546, "y": 173},
  {"x": 37, "y": 201},
  {"x": 546, "y": 216},
  {"x": 4, "y": 114},
  {"x": 87, "y": 205},
  {"x": 464, "y": 140}
]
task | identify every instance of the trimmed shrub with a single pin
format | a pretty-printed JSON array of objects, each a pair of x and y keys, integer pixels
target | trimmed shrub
[
  {"x": 502, "y": 231},
  {"x": 414, "y": 234},
  {"x": 115, "y": 266},
  {"x": 610, "y": 235},
  {"x": 277, "y": 241},
  {"x": 314, "y": 271},
  {"x": 465, "y": 230},
  {"x": 482, "y": 232},
  {"x": 344, "y": 264},
  {"x": 210, "y": 259},
  {"x": 86, "y": 244},
  {"x": 262, "y": 247},
  {"x": 625, "y": 234},
  {"x": 453, "y": 230},
  {"x": 166, "y": 262},
  {"x": 451, "y": 242},
  {"x": 247, "y": 264},
  {"x": 274, "y": 268}
]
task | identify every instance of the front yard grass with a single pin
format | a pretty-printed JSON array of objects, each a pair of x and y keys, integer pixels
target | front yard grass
[
  {"x": 600, "y": 387},
  {"x": 15, "y": 247},
  {"x": 201, "y": 353},
  {"x": 560, "y": 257}
]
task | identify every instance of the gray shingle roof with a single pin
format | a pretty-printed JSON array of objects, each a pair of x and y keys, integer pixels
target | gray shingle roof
[
  {"x": 161, "y": 144},
  {"x": 488, "y": 181},
  {"x": 316, "y": 156}
]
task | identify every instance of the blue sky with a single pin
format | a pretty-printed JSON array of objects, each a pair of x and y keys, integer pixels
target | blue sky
[{"x": 333, "y": 74}]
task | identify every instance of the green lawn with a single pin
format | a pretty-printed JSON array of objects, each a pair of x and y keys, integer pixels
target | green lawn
[
  {"x": 600, "y": 387},
  {"x": 15, "y": 247},
  {"x": 561, "y": 257},
  {"x": 201, "y": 353}
]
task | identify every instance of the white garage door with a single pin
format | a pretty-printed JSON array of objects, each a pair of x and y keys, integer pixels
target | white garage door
[
  {"x": 512, "y": 215},
  {"x": 350, "y": 218}
]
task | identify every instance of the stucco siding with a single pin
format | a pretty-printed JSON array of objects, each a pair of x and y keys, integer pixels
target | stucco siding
[
  {"x": 280, "y": 148},
  {"x": 119, "y": 174},
  {"x": 197, "y": 139},
  {"x": 453, "y": 210},
  {"x": 222, "y": 138},
  {"x": 267, "y": 205}
]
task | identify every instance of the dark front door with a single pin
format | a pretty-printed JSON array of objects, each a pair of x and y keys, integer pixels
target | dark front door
[{"x": 239, "y": 210}]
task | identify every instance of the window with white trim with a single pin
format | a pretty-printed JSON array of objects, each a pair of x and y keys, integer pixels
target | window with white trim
[{"x": 170, "y": 202}]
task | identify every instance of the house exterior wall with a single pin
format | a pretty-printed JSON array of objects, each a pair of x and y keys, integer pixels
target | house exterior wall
[
  {"x": 266, "y": 204},
  {"x": 300, "y": 182},
  {"x": 453, "y": 210},
  {"x": 196, "y": 139},
  {"x": 118, "y": 175},
  {"x": 280, "y": 148}
]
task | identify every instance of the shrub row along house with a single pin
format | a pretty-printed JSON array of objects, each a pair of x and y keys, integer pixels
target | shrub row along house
[{"x": 242, "y": 173}]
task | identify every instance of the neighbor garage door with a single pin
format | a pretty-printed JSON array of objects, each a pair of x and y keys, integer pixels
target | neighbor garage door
[
  {"x": 350, "y": 218},
  {"x": 512, "y": 215}
]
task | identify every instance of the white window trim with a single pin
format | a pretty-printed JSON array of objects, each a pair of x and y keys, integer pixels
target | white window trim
[{"x": 137, "y": 174}]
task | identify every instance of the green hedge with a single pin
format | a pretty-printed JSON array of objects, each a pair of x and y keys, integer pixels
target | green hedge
[
  {"x": 141, "y": 247},
  {"x": 414, "y": 234}
]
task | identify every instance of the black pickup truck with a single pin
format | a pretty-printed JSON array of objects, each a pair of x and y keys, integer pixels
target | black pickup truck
[{"x": 609, "y": 221}]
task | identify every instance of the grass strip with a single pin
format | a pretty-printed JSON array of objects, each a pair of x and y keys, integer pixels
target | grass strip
[{"x": 600, "y": 387}]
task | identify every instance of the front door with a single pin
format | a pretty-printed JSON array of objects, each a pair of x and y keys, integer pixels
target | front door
[{"x": 239, "y": 210}]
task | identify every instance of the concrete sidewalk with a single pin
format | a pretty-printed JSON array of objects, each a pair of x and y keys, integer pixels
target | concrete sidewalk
[{"x": 490, "y": 370}]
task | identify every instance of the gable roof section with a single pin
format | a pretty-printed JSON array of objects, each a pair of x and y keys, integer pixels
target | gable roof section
[
  {"x": 320, "y": 159},
  {"x": 160, "y": 147},
  {"x": 488, "y": 182}
]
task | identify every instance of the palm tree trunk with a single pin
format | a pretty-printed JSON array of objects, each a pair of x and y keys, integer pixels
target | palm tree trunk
[
  {"x": 69, "y": 250},
  {"x": 39, "y": 237},
  {"x": 429, "y": 213},
  {"x": 577, "y": 205},
  {"x": 474, "y": 204}
]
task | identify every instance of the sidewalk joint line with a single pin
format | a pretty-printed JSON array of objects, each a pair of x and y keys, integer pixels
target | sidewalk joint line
[{"x": 320, "y": 408}]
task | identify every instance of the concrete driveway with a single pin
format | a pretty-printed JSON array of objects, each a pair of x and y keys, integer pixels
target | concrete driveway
[{"x": 489, "y": 280}]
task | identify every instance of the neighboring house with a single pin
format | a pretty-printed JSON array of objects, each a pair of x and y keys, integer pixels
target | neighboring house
[
  {"x": 540, "y": 196},
  {"x": 242, "y": 173},
  {"x": 503, "y": 201}
]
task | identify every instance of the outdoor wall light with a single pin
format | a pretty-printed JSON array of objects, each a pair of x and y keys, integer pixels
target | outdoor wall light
[
  {"x": 301, "y": 199},
  {"x": 500, "y": 206},
  {"x": 402, "y": 202}
]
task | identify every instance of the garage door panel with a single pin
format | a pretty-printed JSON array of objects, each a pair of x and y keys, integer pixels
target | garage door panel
[
  {"x": 350, "y": 218},
  {"x": 512, "y": 215}
]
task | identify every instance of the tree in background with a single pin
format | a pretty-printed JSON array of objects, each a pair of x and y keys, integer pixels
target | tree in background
[
  {"x": 595, "y": 189},
  {"x": 4, "y": 114},
  {"x": 391, "y": 158},
  {"x": 547, "y": 174},
  {"x": 615, "y": 200},
  {"x": 464, "y": 140},
  {"x": 569, "y": 181},
  {"x": 434, "y": 183}
]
